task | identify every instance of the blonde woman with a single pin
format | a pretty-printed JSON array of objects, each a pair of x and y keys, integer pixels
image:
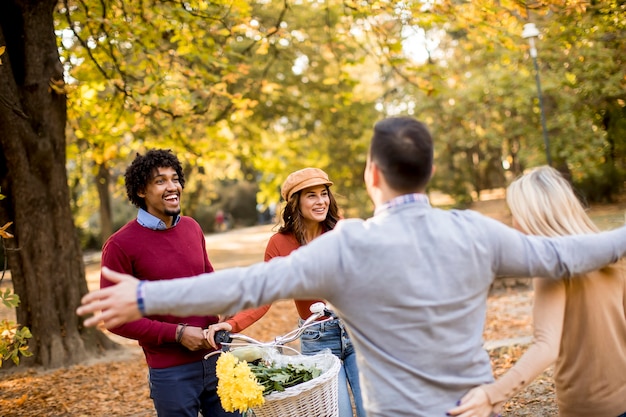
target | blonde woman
[{"x": 580, "y": 324}]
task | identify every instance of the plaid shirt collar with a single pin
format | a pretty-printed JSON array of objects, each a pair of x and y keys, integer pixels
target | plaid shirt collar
[{"x": 402, "y": 200}]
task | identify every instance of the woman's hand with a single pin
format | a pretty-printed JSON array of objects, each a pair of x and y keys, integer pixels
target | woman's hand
[
  {"x": 474, "y": 404},
  {"x": 209, "y": 333}
]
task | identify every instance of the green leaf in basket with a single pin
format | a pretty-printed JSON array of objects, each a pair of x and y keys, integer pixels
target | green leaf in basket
[
  {"x": 282, "y": 377},
  {"x": 279, "y": 378}
]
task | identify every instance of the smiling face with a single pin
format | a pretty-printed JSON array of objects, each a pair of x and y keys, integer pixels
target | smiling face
[
  {"x": 162, "y": 194},
  {"x": 314, "y": 203}
]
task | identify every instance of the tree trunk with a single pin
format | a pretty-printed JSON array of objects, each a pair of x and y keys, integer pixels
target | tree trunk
[
  {"x": 103, "y": 180},
  {"x": 46, "y": 259}
]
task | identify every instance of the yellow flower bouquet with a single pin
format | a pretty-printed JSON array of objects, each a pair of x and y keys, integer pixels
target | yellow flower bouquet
[
  {"x": 237, "y": 386},
  {"x": 247, "y": 377}
]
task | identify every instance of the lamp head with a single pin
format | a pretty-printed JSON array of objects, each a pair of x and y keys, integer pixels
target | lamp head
[{"x": 530, "y": 31}]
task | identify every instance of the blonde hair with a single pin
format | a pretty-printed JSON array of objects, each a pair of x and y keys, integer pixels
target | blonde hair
[{"x": 543, "y": 203}]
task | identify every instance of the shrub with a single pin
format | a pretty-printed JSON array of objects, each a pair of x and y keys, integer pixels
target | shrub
[{"x": 13, "y": 337}]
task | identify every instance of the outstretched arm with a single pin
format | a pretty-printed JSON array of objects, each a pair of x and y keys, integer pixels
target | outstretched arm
[{"x": 117, "y": 304}]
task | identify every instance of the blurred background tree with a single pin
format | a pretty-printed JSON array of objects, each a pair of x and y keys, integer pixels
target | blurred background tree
[{"x": 245, "y": 92}]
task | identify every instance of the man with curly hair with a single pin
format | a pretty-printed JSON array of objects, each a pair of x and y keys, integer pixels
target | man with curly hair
[{"x": 160, "y": 244}]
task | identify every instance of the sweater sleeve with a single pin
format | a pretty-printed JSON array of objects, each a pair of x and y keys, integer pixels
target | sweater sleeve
[
  {"x": 548, "y": 316},
  {"x": 271, "y": 250},
  {"x": 519, "y": 255},
  {"x": 247, "y": 318}
]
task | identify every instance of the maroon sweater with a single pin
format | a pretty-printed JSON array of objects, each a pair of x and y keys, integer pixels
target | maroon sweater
[{"x": 149, "y": 254}]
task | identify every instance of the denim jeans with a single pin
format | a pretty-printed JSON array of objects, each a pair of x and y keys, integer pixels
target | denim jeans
[
  {"x": 185, "y": 390},
  {"x": 332, "y": 335}
]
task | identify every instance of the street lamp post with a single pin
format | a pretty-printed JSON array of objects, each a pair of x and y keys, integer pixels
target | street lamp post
[{"x": 531, "y": 32}]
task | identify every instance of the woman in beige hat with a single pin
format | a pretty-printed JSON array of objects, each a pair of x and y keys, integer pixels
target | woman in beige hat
[{"x": 310, "y": 210}]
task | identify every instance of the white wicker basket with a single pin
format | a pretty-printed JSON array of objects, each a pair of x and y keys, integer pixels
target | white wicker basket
[{"x": 315, "y": 398}]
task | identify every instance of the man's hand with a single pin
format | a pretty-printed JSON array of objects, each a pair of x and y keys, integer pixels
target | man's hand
[
  {"x": 117, "y": 304},
  {"x": 193, "y": 338}
]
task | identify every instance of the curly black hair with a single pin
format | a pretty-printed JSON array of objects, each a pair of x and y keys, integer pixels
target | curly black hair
[{"x": 141, "y": 170}]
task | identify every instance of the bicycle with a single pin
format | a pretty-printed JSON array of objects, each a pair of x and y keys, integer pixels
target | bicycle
[{"x": 317, "y": 397}]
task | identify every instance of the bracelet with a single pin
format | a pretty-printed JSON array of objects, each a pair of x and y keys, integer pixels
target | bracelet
[
  {"x": 179, "y": 332},
  {"x": 141, "y": 305}
]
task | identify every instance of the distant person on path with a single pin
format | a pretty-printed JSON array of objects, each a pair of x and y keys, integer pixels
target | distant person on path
[
  {"x": 228, "y": 221},
  {"x": 410, "y": 283},
  {"x": 160, "y": 244},
  {"x": 579, "y": 323},
  {"x": 220, "y": 221},
  {"x": 310, "y": 210}
]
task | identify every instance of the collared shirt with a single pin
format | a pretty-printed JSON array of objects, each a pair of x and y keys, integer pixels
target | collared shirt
[
  {"x": 402, "y": 200},
  {"x": 153, "y": 222}
]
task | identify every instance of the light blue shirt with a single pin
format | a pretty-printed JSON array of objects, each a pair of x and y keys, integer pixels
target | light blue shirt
[
  {"x": 153, "y": 222},
  {"x": 411, "y": 285}
]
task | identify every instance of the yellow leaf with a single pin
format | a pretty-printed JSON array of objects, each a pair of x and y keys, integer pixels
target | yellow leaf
[
  {"x": 263, "y": 48},
  {"x": 3, "y": 233},
  {"x": 21, "y": 400},
  {"x": 224, "y": 32},
  {"x": 58, "y": 86}
]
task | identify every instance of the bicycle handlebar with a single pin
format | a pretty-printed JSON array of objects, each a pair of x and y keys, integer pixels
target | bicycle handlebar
[{"x": 225, "y": 339}]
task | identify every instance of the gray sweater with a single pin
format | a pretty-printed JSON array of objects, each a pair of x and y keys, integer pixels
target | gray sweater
[{"x": 411, "y": 284}]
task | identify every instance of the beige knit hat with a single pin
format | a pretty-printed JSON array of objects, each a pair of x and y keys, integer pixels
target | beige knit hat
[{"x": 299, "y": 180}]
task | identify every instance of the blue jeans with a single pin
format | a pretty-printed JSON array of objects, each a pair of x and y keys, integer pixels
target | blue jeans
[
  {"x": 185, "y": 390},
  {"x": 332, "y": 335}
]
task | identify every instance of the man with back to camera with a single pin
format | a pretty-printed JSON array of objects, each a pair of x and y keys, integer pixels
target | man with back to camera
[
  {"x": 160, "y": 244},
  {"x": 411, "y": 283}
]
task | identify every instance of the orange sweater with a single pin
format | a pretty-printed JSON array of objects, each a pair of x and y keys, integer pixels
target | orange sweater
[{"x": 279, "y": 245}]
